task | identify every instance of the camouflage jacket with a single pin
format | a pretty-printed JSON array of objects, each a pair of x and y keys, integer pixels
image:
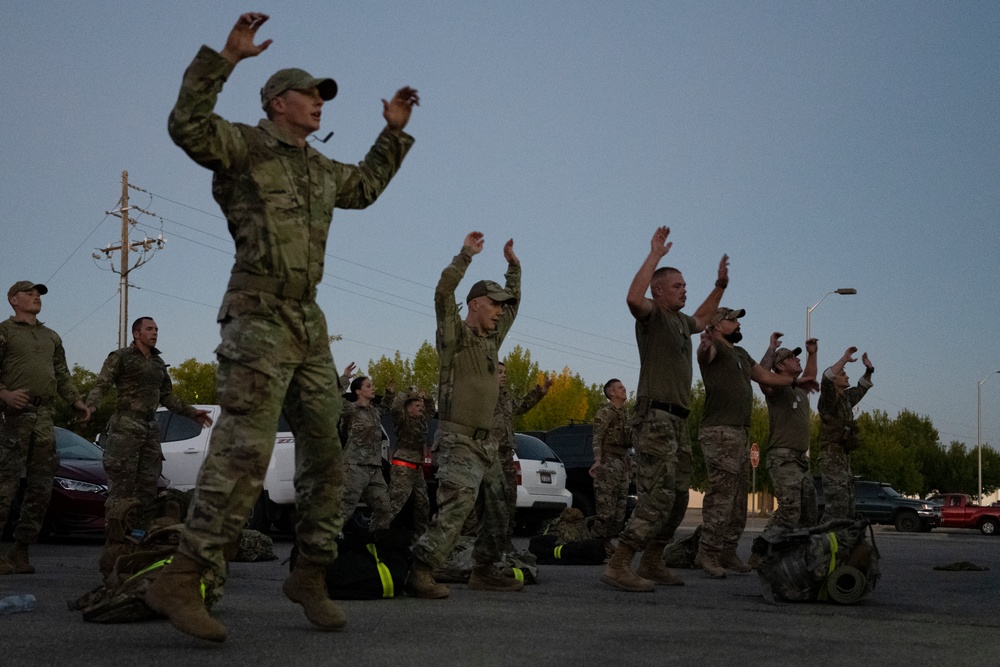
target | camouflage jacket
[
  {"x": 612, "y": 433},
  {"x": 411, "y": 432},
  {"x": 468, "y": 387},
  {"x": 278, "y": 198},
  {"x": 836, "y": 412},
  {"x": 32, "y": 357},
  {"x": 143, "y": 384},
  {"x": 363, "y": 428},
  {"x": 503, "y": 415}
]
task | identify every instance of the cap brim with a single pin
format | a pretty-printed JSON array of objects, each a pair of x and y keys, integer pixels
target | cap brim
[{"x": 327, "y": 88}]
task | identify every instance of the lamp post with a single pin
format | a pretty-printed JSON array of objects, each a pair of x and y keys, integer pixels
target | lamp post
[
  {"x": 842, "y": 290},
  {"x": 979, "y": 432}
]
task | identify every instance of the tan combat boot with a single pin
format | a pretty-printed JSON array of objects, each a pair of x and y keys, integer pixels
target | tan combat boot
[
  {"x": 710, "y": 564},
  {"x": 5, "y": 567},
  {"x": 488, "y": 578},
  {"x": 732, "y": 562},
  {"x": 652, "y": 567},
  {"x": 420, "y": 583},
  {"x": 618, "y": 572},
  {"x": 18, "y": 559},
  {"x": 306, "y": 585},
  {"x": 176, "y": 594}
]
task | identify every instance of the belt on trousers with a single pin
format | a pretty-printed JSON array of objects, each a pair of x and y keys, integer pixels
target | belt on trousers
[
  {"x": 468, "y": 431},
  {"x": 405, "y": 464},
  {"x": 675, "y": 410},
  {"x": 298, "y": 290},
  {"x": 33, "y": 404}
]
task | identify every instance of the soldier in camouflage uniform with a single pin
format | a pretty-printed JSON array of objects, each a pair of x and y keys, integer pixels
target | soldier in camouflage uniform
[
  {"x": 363, "y": 480},
  {"x": 410, "y": 410},
  {"x": 32, "y": 373},
  {"x": 787, "y": 456},
  {"x": 469, "y": 476},
  {"x": 503, "y": 434},
  {"x": 132, "y": 455},
  {"x": 727, "y": 370},
  {"x": 278, "y": 195},
  {"x": 839, "y": 433},
  {"x": 612, "y": 468},
  {"x": 661, "y": 438}
]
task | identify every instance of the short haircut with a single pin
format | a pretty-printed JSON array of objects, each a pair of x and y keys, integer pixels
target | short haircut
[
  {"x": 661, "y": 272},
  {"x": 410, "y": 401},
  {"x": 137, "y": 324},
  {"x": 607, "y": 385}
]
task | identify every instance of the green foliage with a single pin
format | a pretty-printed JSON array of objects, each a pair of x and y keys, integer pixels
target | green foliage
[
  {"x": 64, "y": 415},
  {"x": 194, "y": 381},
  {"x": 421, "y": 373},
  {"x": 569, "y": 399},
  {"x": 522, "y": 373}
]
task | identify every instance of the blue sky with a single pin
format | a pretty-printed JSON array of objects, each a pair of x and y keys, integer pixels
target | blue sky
[{"x": 820, "y": 145}]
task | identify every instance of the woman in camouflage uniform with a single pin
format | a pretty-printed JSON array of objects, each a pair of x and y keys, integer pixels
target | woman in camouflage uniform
[{"x": 362, "y": 425}]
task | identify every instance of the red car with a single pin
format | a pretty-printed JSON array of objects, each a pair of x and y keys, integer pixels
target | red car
[{"x": 79, "y": 490}]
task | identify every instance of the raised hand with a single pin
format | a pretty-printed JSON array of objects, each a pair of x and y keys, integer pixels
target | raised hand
[
  {"x": 239, "y": 44},
  {"x": 658, "y": 245},
  {"x": 474, "y": 241},
  {"x": 397, "y": 110},
  {"x": 508, "y": 253}
]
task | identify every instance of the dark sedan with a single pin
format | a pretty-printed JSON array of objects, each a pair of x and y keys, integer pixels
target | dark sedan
[{"x": 79, "y": 490}]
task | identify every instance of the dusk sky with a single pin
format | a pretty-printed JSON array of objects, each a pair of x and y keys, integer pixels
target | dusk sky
[{"x": 820, "y": 144}]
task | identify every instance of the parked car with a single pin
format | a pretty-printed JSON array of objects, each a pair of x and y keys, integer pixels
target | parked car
[
  {"x": 79, "y": 490},
  {"x": 541, "y": 483},
  {"x": 185, "y": 444},
  {"x": 958, "y": 511},
  {"x": 881, "y": 504}
]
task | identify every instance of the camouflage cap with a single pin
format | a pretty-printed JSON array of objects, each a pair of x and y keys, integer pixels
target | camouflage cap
[
  {"x": 24, "y": 286},
  {"x": 492, "y": 290},
  {"x": 295, "y": 79},
  {"x": 726, "y": 314},
  {"x": 782, "y": 354}
]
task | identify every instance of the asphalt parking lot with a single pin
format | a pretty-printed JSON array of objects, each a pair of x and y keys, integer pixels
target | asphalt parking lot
[{"x": 916, "y": 615}]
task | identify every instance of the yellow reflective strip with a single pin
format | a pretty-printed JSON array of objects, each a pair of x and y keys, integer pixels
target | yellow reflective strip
[
  {"x": 518, "y": 573},
  {"x": 388, "y": 590},
  {"x": 832, "y": 539},
  {"x": 150, "y": 568},
  {"x": 558, "y": 551}
]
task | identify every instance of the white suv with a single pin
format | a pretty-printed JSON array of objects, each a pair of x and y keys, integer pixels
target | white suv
[{"x": 541, "y": 484}]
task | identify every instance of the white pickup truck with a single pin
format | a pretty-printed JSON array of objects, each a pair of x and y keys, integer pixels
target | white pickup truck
[{"x": 185, "y": 445}]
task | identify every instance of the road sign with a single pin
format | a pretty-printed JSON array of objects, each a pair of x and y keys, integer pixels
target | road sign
[{"x": 754, "y": 455}]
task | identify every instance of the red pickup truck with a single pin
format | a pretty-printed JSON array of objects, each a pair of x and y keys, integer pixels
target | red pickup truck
[{"x": 958, "y": 511}]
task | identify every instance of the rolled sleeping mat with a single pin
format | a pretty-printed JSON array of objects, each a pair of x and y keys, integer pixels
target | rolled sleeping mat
[{"x": 847, "y": 585}]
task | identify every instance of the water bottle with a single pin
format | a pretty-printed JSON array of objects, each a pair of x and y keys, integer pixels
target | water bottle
[{"x": 16, "y": 603}]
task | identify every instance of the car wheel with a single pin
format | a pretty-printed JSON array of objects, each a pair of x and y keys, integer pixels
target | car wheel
[
  {"x": 989, "y": 527},
  {"x": 907, "y": 522}
]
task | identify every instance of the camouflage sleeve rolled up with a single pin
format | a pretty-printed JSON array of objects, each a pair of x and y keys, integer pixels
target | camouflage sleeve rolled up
[{"x": 528, "y": 401}]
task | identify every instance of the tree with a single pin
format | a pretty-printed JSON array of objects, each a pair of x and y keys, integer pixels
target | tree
[
  {"x": 194, "y": 382},
  {"x": 522, "y": 372},
  {"x": 569, "y": 399}
]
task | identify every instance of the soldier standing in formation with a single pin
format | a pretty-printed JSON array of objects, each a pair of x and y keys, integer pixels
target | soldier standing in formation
[
  {"x": 727, "y": 370},
  {"x": 839, "y": 433},
  {"x": 788, "y": 447},
  {"x": 469, "y": 475},
  {"x": 363, "y": 478},
  {"x": 410, "y": 411},
  {"x": 278, "y": 195},
  {"x": 662, "y": 442},
  {"x": 503, "y": 436},
  {"x": 612, "y": 468},
  {"x": 32, "y": 373},
  {"x": 133, "y": 459}
]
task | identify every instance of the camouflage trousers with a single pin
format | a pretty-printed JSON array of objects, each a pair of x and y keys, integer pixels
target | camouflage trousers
[
  {"x": 663, "y": 479},
  {"x": 611, "y": 495},
  {"x": 469, "y": 480},
  {"x": 724, "y": 510},
  {"x": 838, "y": 482},
  {"x": 506, "y": 455},
  {"x": 28, "y": 445},
  {"x": 274, "y": 356},
  {"x": 404, "y": 483},
  {"x": 367, "y": 483},
  {"x": 794, "y": 490},
  {"x": 133, "y": 461}
]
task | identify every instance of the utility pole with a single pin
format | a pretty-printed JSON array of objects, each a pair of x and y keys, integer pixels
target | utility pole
[{"x": 143, "y": 246}]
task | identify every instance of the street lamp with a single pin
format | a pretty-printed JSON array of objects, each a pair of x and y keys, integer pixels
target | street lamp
[
  {"x": 842, "y": 290},
  {"x": 979, "y": 432}
]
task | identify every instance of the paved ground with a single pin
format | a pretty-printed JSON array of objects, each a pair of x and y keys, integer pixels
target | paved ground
[{"x": 917, "y": 615}]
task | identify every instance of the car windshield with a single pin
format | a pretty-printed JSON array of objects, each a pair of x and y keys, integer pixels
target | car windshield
[
  {"x": 889, "y": 491},
  {"x": 69, "y": 445},
  {"x": 528, "y": 447}
]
